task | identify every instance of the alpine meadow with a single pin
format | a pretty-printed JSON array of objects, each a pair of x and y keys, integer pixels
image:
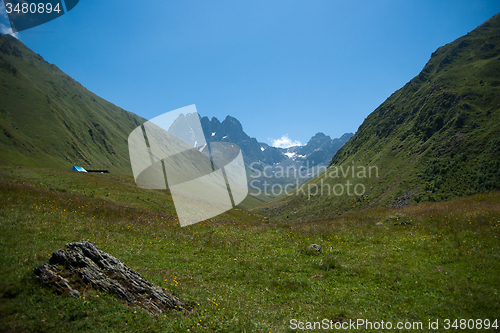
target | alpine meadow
[{"x": 405, "y": 218}]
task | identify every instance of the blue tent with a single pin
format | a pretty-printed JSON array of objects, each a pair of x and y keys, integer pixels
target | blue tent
[{"x": 77, "y": 168}]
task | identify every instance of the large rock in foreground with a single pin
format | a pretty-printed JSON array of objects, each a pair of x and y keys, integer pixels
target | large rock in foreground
[{"x": 82, "y": 264}]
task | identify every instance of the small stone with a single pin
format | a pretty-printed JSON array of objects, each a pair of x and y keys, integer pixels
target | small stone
[
  {"x": 315, "y": 247},
  {"x": 403, "y": 223}
]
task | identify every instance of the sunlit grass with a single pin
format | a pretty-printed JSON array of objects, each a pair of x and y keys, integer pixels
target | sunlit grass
[{"x": 239, "y": 271}]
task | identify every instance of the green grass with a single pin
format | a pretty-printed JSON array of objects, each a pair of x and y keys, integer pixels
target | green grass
[{"x": 241, "y": 271}]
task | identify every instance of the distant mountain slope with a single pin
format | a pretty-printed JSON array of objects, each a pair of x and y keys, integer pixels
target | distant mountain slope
[
  {"x": 48, "y": 119},
  {"x": 318, "y": 150},
  {"x": 436, "y": 138},
  {"x": 320, "y": 147},
  {"x": 271, "y": 166}
]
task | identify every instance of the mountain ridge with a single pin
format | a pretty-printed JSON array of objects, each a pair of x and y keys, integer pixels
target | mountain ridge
[
  {"x": 231, "y": 130},
  {"x": 436, "y": 138},
  {"x": 49, "y": 119}
]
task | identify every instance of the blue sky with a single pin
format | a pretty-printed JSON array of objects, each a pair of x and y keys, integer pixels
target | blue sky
[{"x": 292, "y": 67}]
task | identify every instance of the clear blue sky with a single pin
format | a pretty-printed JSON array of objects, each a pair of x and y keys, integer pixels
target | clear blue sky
[{"x": 291, "y": 67}]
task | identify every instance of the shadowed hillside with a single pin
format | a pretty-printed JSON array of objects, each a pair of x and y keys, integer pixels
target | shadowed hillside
[
  {"x": 48, "y": 119},
  {"x": 436, "y": 138}
]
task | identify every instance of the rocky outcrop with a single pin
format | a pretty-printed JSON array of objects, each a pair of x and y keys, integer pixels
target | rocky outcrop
[
  {"x": 82, "y": 265},
  {"x": 403, "y": 200}
]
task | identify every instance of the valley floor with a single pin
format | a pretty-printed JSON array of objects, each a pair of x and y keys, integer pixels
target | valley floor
[{"x": 241, "y": 271}]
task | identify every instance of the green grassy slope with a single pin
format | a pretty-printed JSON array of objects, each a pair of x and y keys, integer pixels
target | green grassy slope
[
  {"x": 436, "y": 138},
  {"x": 48, "y": 119},
  {"x": 240, "y": 272}
]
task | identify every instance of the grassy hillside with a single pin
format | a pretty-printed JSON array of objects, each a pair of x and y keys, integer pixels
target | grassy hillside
[
  {"x": 48, "y": 119},
  {"x": 240, "y": 272},
  {"x": 435, "y": 139}
]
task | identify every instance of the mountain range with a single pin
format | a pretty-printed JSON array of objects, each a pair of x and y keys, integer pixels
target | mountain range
[
  {"x": 264, "y": 162},
  {"x": 317, "y": 151}
]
